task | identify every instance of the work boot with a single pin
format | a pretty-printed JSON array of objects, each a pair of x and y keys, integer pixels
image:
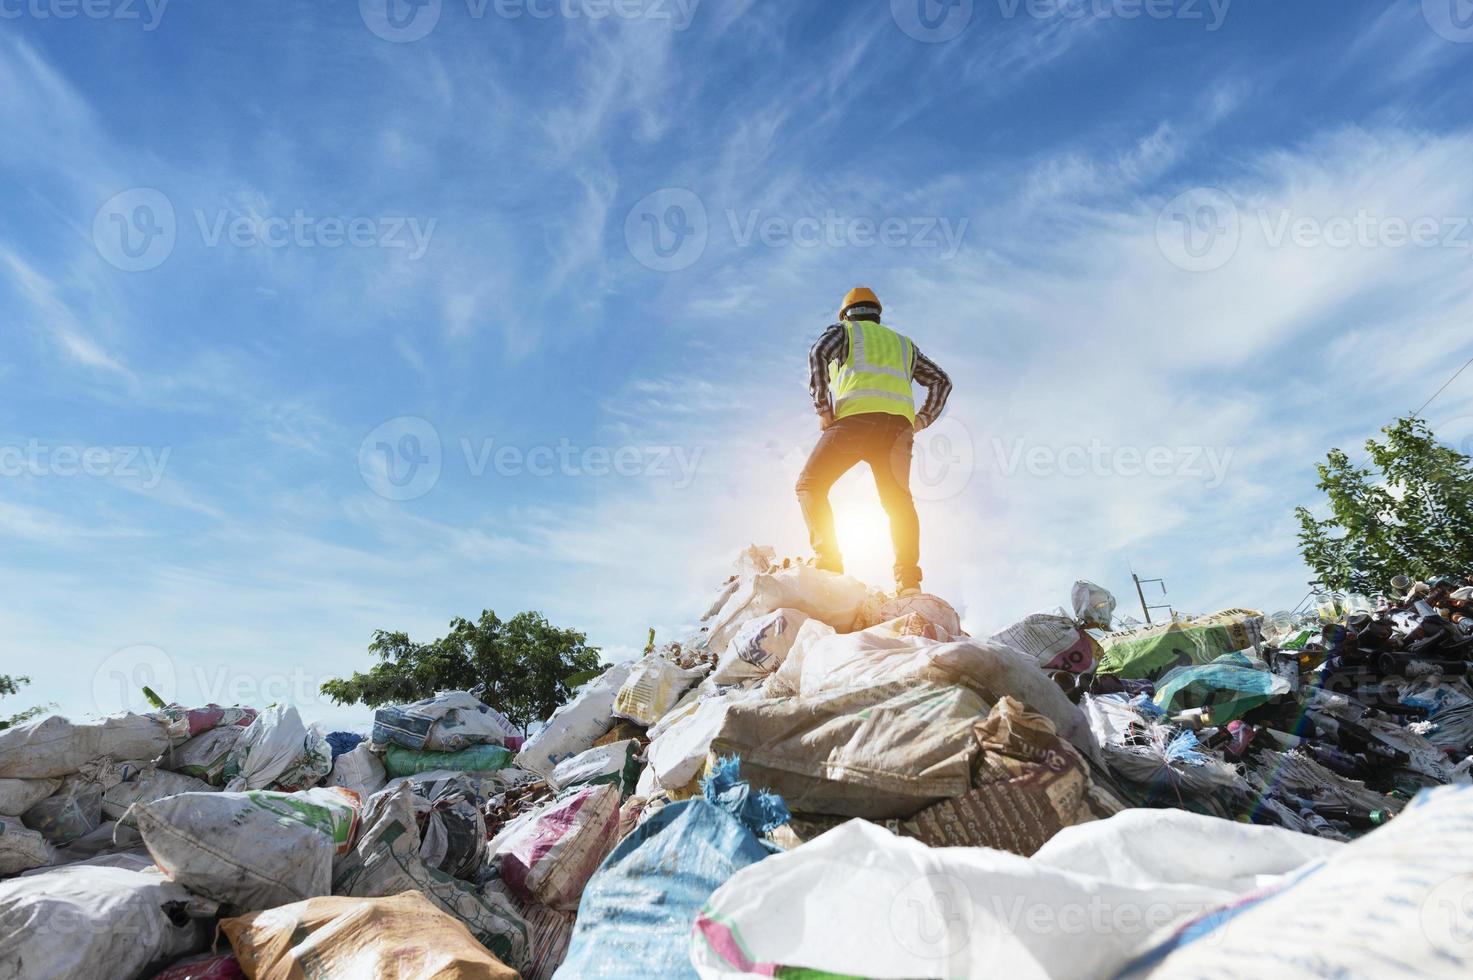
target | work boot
[{"x": 908, "y": 583}]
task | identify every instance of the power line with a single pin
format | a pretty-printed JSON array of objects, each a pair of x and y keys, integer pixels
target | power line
[{"x": 1444, "y": 387}]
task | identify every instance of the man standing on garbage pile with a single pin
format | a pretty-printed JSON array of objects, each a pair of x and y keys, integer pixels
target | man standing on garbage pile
[{"x": 860, "y": 375}]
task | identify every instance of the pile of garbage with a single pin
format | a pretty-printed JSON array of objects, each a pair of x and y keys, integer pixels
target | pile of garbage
[{"x": 821, "y": 781}]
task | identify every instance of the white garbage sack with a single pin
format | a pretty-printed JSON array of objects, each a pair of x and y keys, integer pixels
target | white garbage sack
[
  {"x": 448, "y": 722},
  {"x": 1055, "y": 642},
  {"x": 73, "y": 811},
  {"x": 360, "y": 770},
  {"x": 551, "y": 858},
  {"x": 875, "y": 656},
  {"x": 574, "y": 727},
  {"x": 1094, "y": 606},
  {"x": 653, "y": 687},
  {"x": 22, "y": 849},
  {"x": 149, "y": 785},
  {"x": 678, "y": 755},
  {"x": 614, "y": 763},
  {"x": 826, "y": 596},
  {"x": 278, "y": 749},
  {"x": 861, "y": 901},
  {"x": 1395, "y": 903},
  {"x": 86, "y": 921},
  {"x": 19, "y": 795},
  {"x": 759, "y": 647},
  {"x": 54, "y": 746},
  {"x": 255, "y": 850},
  {"x": 786, "y": 680}
]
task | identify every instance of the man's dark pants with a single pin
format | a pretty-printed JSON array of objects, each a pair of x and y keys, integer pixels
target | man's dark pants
[{"x": 884, "y": 442}]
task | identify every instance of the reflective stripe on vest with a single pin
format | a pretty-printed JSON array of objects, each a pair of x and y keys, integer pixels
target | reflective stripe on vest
[{"x": 876, "y": 375}]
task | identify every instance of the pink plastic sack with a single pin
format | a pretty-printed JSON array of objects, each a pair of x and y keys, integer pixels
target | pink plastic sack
[{"x": 553, "y": 856}]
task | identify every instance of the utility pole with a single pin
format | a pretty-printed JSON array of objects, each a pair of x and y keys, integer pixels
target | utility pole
[{"x": 1142, "y": 593}]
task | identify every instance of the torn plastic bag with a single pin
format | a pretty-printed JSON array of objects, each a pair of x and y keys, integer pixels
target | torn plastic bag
[
  {"x": 253, "y": 850},
  {"x": 386, "y": 862},
  {"x": 54, "y": 746},
  {"x": 403, "y": 937},
  {"x": 448, "y": 722},
  {"x": 452, "y": 835},
  {"x": 93, "y": 921},
  {"x": 574, "y": 727},
  {"x": 877, "y": 752},
  {"x": 1094, "y": 606}
]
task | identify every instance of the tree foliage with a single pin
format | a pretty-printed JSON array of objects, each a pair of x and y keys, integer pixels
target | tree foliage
[
  {"x": 9, "y": 687},
  {"x": 522, "y": 667},
  {"x": 1412, "y": 515}
]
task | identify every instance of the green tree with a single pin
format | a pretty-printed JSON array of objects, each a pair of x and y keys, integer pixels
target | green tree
[
  {"x": 522, "y": 667},
  {"x": 1412, "y": 515},
  {"x": 9, "y": 687}
]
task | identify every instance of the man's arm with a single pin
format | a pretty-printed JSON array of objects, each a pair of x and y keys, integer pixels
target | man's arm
[
  {"x": 928, "y": 374},
  {"x": 830, "y": 347}
]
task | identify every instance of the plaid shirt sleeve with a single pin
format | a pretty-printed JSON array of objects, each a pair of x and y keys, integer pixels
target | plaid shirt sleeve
[
  {"x": 833, "y": 345},
  {"x": 929, "y": 375}
]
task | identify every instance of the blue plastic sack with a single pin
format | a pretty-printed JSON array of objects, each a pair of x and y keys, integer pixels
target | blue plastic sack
[
  {"x": 343, "y": 742},
  {"x": 637, "y": 911}
]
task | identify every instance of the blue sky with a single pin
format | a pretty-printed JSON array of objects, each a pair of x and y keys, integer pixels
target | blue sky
[{"x": 318, "y": 320}]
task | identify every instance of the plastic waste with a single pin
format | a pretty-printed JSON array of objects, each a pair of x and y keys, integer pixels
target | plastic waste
[
  {"x": 574, "y": 727},
  {"x": 55, "y": 746},
  {"x": 448, "y": 722}
]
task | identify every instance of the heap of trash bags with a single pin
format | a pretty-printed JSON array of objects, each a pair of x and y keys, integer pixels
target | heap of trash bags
[{"x": 822, "y": 781}]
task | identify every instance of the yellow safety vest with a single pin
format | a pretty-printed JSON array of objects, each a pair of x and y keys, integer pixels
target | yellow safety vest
[{"x": 875, "y": 377}]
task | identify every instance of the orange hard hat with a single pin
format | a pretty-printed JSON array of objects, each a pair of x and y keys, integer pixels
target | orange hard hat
[{"x": 858, "y": 296}]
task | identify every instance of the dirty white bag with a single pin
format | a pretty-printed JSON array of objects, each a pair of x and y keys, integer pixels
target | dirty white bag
[
  {"x": 935, "y": 610},
  {"x": 254, "y": 850},
  {"x": 1094, "y": 606},
  {"x": 551, "y": 858},
  {"x": 611, "y": 763},
  {"x": 206, "y": 755},
  {"x": 149, "y": 785},
  {"x": 73, "y": 811},
  {"x": 22, "y": 849},
  {"x": 86, "y": 920},
  {"x": 273, "y": 746},
  {"x": 876, "y": 656},
  {"x": 1393, "y": 903},
  {"x": 759, "y": 647},
  {"x": 787, "y": 679},
  {"x": 861, "y": 901},
  {"x": 359, "y": 770},
  {"x": 574, "y": 727},
  {"x": 55, "y": 746},
  {"x": 826, "y": 596},
  {"x": 653, "y": 687},
  {"x": 448, "y": 722},
  {"x": 679, "y": 754},
  {"x": 19, "y": 795}
]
